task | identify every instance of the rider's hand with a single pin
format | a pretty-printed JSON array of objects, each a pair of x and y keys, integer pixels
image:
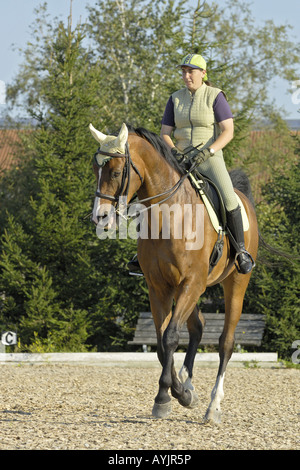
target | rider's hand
[
  {"x": 176, "y": 153},
  {"x": 202, "y": 156}
]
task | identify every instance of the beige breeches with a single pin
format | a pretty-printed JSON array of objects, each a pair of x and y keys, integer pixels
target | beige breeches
[{"x": 215, "y": 169}]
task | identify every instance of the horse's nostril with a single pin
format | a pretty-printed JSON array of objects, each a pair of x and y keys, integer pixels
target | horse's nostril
[
  {"x": 102, "y": 215},
  {"x": 102, "y": 218}
]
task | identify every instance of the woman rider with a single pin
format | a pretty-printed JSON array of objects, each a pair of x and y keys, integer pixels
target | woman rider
[{"x": 199, "y": 115}]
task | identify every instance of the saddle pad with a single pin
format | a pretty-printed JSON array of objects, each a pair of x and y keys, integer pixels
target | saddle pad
[
  {"x": 214, "y": 218},
  {"x": 211, "y": 211}
]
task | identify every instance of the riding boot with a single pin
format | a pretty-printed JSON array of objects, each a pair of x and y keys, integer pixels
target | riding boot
[
  {"x": 243, "y": 260},
  {"x": 134, "y": 264}
]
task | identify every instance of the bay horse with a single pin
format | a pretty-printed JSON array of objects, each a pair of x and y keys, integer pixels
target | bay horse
[{"x": 138, "y": 161}]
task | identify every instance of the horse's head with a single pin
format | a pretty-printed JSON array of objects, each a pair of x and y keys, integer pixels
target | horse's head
[
  {"x": 109, "y": 165},
  {"x": 113, "y": 172}
]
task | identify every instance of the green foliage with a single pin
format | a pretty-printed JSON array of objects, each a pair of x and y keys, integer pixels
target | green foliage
[
  {"x": 274, "y": 289},
  {"x": 57, "y": 281},
  {"x": 137, "y": 45}
]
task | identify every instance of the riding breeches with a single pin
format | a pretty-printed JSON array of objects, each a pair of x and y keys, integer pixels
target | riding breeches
[{"x": 215, "y": 169}]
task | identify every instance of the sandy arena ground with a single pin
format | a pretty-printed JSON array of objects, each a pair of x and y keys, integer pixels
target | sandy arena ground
[{"x": 90, "y": 407}]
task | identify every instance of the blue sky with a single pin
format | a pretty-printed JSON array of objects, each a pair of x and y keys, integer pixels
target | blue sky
[{"x": 17, "y": 15}]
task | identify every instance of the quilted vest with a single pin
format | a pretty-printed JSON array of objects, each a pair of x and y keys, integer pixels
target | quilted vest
[{"x": 194, "y": 117}]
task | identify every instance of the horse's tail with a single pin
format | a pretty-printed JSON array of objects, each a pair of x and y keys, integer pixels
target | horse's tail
[
  {"x": 275, "y": 251},
  {"x": 241, "y": 182}
]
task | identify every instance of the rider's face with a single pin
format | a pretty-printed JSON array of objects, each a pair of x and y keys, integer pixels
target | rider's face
[{"x": 193, "y": 78}]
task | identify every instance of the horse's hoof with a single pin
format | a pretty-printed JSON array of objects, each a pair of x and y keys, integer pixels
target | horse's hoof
[
  {"x": 161, "y": 410},
  {"x": 193, "y": 402},
  {"x": 212, "y": 416}
]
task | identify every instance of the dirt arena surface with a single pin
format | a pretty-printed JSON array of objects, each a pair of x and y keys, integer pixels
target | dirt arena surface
[{"x": 66, "y": 407}]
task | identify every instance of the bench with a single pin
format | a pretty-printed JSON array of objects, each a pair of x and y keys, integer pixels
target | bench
[{"x": 249, "y": 330}]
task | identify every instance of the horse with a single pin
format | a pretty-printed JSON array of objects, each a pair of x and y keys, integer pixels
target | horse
[{"x": 137, "y": 161}]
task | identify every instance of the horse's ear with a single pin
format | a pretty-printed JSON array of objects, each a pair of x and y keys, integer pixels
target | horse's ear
[
  {"x": 122, "y": 137},
  {"x": 97, "y": 134}
]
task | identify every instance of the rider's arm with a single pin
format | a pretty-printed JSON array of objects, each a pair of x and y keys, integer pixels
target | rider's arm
[
  {"x": 168, "y": 123},
  {"x": 165, "y": 133},
  {"x": 227, "y": 131}
]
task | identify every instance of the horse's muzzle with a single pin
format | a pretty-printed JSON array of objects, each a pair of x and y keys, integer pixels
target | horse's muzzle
[{"x": 104, "y": 216}]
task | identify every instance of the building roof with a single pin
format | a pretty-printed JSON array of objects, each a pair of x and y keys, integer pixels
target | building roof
[{"x": 9, "y": 141}]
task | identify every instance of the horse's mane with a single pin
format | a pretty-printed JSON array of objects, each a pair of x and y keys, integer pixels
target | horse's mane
[{"x": 158, "y": 144}]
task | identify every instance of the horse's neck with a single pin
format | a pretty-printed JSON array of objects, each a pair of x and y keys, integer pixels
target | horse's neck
[{"x": 159, "y": 176}]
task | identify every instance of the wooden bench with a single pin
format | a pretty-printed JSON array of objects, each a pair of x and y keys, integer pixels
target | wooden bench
[{"x": 249, "y": 330}]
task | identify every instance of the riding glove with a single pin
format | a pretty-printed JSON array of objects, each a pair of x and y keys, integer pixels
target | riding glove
[
  {"x": 190, "y": 156},
  {"x": 177, "y": 154},
  {"x": 202, "y": 156}
]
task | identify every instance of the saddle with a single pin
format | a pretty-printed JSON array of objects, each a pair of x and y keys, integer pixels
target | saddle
[
  {"x": 211, "y": 196},
  {"x": 213, "y": 201}
]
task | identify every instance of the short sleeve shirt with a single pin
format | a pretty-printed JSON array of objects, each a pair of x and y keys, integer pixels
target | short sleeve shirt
[{"x": 221, "y": 110}]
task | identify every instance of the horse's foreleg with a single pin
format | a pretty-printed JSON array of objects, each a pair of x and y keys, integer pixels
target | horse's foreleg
[
  {"x": 185, "y": 304},
  {"x": 168, "y": 378},
  {"x": 234, "y": 290},
  {"x": 213, "y": 412},
  {"x": 162, "y": 403},
  {"x": 161, "y": 304}
]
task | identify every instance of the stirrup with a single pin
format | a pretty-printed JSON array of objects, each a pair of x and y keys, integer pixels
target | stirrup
[
  {"x": 243, "y": 252},
  {"x": 134, "y": 267}
]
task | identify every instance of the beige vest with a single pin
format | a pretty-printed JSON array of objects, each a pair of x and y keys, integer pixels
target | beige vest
[{"x": 194, "y": 117}]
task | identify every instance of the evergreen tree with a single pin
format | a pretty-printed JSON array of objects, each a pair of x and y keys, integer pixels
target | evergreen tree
[
  {"x": 55, "y": 276},
  {"x": 274, "y": 289}
]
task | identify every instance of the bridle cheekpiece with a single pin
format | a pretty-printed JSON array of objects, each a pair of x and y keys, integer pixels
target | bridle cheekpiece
[{"x": 101, "y": 158}]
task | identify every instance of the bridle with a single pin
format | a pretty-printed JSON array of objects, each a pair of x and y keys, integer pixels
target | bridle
[{"x": 124, "y": 188}]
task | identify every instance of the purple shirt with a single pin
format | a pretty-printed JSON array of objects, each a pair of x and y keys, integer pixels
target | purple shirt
[{"x": 221, "y": 109}]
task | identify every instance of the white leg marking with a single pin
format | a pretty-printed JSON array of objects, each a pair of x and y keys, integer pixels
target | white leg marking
[
  {"x": 214, "y": 410},
  {"x": 185, "y": 379},
  {"x": 217, "y": 393}
]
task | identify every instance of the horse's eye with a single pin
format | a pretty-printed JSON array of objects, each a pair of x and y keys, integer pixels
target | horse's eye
[{"x": 115, "y": 174}]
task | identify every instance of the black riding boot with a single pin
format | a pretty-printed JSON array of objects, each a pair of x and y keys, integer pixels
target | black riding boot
[{"x": 243, "y": 260}]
